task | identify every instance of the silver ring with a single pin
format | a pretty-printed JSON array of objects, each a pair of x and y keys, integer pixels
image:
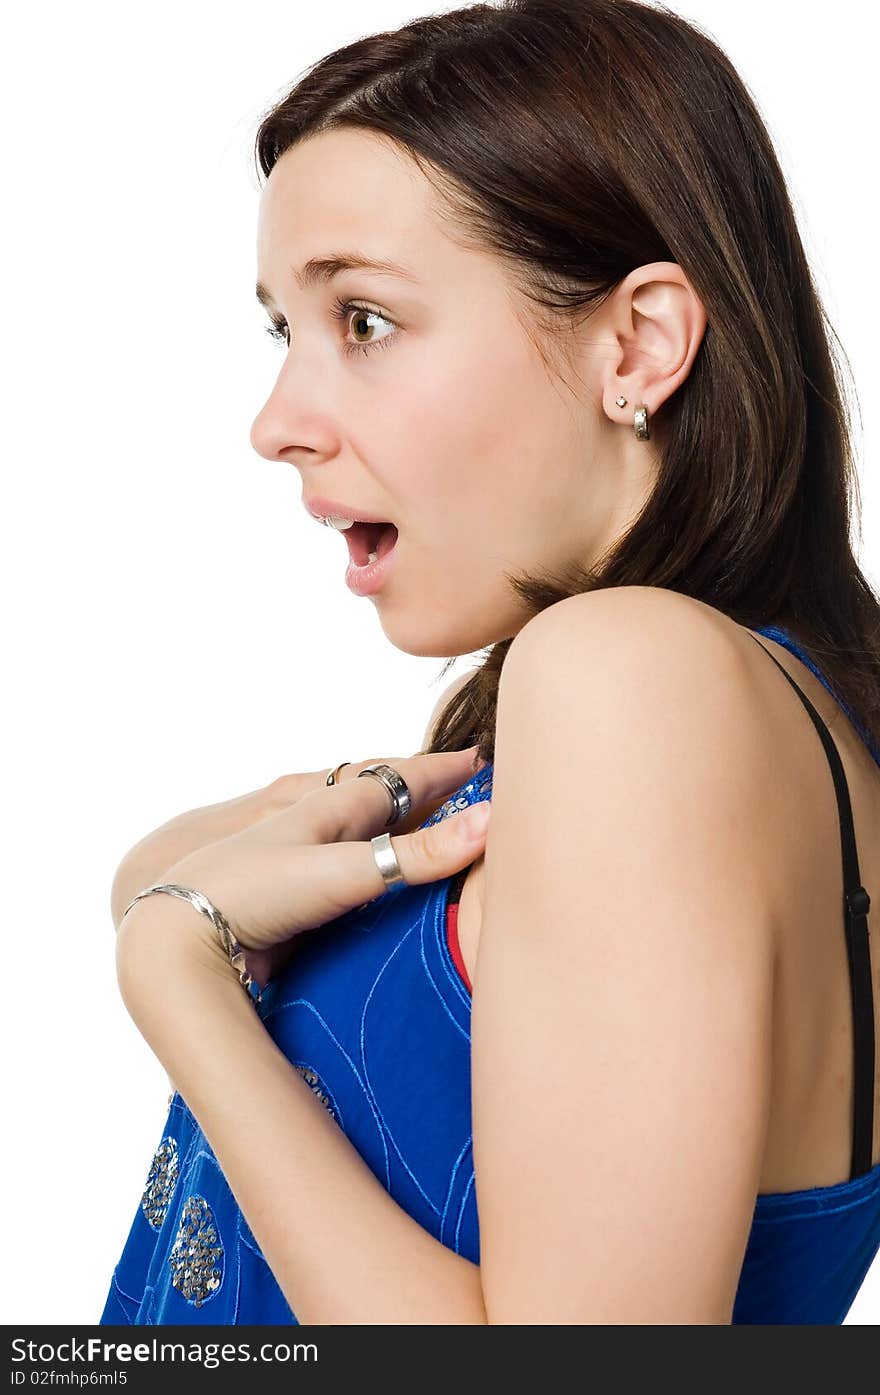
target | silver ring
[
  {"x": 396, "y": 787},
  {"x": 386, "y": 860}
]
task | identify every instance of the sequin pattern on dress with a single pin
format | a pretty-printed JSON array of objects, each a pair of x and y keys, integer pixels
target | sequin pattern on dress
[
  {"x": 313, "y": 1080},
  {"x": 161, "y": 1181},
  {"x": 196, "y": 1257}
]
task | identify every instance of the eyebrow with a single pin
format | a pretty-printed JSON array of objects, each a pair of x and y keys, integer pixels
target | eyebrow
[{"x": 320, "y": 270}]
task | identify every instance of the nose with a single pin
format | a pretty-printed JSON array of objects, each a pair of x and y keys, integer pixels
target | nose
[
  {"x": 287, "y": 432},
  {"x": 268, "y": 436}
]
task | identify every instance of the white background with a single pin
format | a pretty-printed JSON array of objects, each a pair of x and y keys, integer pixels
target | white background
[{"x": 177, "y": 632}]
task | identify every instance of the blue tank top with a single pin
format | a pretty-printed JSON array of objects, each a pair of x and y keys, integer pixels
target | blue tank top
[{"x": 374, "y": 1011}]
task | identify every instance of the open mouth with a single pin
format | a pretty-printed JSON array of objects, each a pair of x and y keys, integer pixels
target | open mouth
[{"x": 370, "y": 541}]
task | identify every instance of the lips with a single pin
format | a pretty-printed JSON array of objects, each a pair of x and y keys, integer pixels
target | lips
[
  {"x": 331, "y": 508},
  {"x": 364, "y": 538}
]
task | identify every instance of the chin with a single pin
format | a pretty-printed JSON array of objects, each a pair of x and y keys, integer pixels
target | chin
[
  {"x": 418, "y": 643},
  {"x": 427, "y": 634}
]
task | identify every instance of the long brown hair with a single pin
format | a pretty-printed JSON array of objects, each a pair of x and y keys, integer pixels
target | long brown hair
[{"x": 577, "y": 140}]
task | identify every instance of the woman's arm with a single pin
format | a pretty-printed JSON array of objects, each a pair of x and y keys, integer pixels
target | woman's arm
[{"x": 341, "y": 1249}]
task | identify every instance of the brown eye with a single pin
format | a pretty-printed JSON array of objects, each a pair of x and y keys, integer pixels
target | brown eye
[
  {"x": 359, "y": 317},
  {"x": 361, "y": 322}
]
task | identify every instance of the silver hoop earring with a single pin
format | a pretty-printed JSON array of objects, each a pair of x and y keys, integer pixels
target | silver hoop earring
[{"x": 640, "y": 423}]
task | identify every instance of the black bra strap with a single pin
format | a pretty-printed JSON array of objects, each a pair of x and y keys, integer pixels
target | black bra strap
[{"x": 856, "y": 904}]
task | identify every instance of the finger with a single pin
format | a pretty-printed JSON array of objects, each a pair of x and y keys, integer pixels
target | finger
[
  {"x": 287, "y": 790},
  {"x": 428, "y": 854},
  {"x": 420, "y": 813},
  {"x": 360, "y": 808},
  {"x": 345, "y": 876}
]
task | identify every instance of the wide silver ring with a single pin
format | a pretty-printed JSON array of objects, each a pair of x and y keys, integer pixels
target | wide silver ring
[
  {"x": 386, "y": 860},
  {"x": 396, "y": 787}
]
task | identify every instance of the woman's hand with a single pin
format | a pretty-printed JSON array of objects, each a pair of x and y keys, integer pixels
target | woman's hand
[
  {"x": 311, "y": 862},
  {"x": 148, "y": 861}
]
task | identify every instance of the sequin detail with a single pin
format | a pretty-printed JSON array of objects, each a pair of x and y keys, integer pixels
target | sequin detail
[
  {"x": 312, "y": 1078},
  {"x": 161, "y": 1181},
  {"x": 196, "y": 1257}
]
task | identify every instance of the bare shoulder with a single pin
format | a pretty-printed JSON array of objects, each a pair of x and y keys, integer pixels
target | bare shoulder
[
  {"x": 640, "y": 696},
  {"x": 646, "y": 634},
  {"x": 640, "y": 613}
]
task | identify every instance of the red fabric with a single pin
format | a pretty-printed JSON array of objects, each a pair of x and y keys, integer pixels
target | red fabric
[{"x": 454, "y": 946}]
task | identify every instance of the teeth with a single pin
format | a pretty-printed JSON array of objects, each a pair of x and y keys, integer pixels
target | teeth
[{"x": 341, "y": 524}]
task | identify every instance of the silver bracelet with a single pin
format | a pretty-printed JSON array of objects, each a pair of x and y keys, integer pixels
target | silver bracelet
[{"x": 234, "y": 950}]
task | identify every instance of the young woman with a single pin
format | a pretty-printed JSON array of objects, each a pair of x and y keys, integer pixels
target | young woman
[{"x": 552, "y": 342}]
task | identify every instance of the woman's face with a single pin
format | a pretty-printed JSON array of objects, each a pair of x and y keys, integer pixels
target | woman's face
[{"x": 440, "y": 415}]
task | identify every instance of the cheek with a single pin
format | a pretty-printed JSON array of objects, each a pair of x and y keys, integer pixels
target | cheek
[{"x": 467, "y": 426}]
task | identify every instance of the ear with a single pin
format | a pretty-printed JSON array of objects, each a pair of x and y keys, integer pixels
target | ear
[{"x": 657, "y": 322}]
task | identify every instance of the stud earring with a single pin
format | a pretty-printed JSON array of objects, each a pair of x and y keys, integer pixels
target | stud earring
[{"x": 620, "y": 401}]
